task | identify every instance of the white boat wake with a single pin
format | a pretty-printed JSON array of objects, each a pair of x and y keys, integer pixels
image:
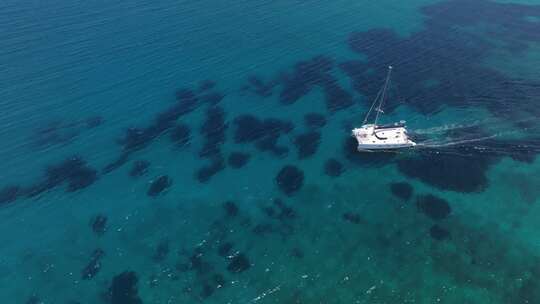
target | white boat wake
[{"x": 451, "y": 142}]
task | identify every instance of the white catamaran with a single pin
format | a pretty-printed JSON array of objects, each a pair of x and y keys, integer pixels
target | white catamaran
[{"x": 384, "y": 137}]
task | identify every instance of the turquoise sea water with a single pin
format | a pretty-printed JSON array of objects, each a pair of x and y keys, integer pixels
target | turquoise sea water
[{"x": 185, "y": 152}]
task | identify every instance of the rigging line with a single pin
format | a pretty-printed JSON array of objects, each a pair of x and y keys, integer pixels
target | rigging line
[
  {"x": 383, "y": 94},
  {"x": 371, "y": 108}
]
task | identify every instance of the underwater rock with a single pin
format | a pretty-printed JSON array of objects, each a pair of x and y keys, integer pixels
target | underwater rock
[
  {"x": 332, "y": 167},
  {"x": 231, "y": 210},
  {"x": 159, "y": 185},
  {"x": 206, "y": 85},
  {"x": 269, "y": 211},
  {"x": 274, "y": 125},
  {"x": 213, "y": 130},
  {"x": 207, "y": 291},
  {"x": 314, "y": 120},
  {"x": 139, "y": 168},
  {"x": 311, "y": 73},
  {"x": 354, "y": 218},
  {"x": 34, "y": 300},
  {"x": 212, "y": 98},
  {"x": 99, "y": 224},
  {"x": 94, "y": 266},
  {"x": 285, "y": 212},
  {"x": 248, "y": 129},
  {"x": 259, "y": 86},
  {"x": 180, "y": 134},
  {"x": 162, "y": 251},
  {"x": 123, "y": 289},
  {"x": 75, "y": 171},
  {"x": 445, "y": 171},
  {"x": 402, "y": 190},
  {"x": 197, "y": 263},
  {"x": 204, "y": 174},
  {"x": 119, "y": 162},
  {"x": 135, "y": 139},
  {"x": 438, "y": 233},
  {"x": 458, "y": 53},
  {"x": 218, "y": 280},
  {"x": 434, "y": 207},
  {"x": 290, "y": 179},
  {"x": 264, "y": 133},
  {"x": 297, "y": 253},
  {"x": 72, "y": 171},
  {"x": 225, "y": 249},
  {"x": 305, "y": 75},
  {"x": 350, "y": 149},
  {"x": 336, "y": 98},
  {"x": 138, "y": 138},
  {"x": 183, "y": 94},
  {"x": 238, "y": 159},
  {"x": 307, "y": 143},
  {"x": 9, "y": 194},
  {"x": 59, "y": 132},
  {"x": 94, "y": 121},
  {"x": 262, "y": 229},
  {"x": 269, "y": 144},
  {"x": 239, "y": 263}
]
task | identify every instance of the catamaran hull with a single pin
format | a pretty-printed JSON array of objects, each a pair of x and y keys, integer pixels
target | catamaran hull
[
  {"x": 371, "y": 137},
  {"x": 364, "y": 148}
]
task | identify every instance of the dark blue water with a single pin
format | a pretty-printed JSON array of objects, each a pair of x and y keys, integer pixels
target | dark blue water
[{"x": 184, "y": 152}]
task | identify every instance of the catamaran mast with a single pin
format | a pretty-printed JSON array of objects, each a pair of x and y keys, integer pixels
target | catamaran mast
[{"x": 379, "y": 109}]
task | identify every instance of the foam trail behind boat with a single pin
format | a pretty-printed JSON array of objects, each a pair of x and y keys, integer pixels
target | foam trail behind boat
[{"x": 427, "y": 144}]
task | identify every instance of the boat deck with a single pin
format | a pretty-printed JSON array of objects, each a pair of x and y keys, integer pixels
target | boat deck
[{"x": 370, "y": 137}]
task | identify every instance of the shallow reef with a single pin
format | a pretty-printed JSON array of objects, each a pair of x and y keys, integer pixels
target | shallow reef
[
  {"x": 9, "y": 194},
  {"x": 180, "y": 135},
  {"x": 225, "y": 249},
  {"x": 457, "y": 54},
  {"x": 73, "y": 171},
  {"x": 352, "y": 217},
  {"x": 211, "y": 98},
  {"x": 139, "y": 168},
  {"x": 308, "y": 74},
  {"x": 307, "y": 143},
  {"x": 162, "y": 251},
  {"x": 231, "y": 209},
  {"x": 239, "y": 263},
  {"x": 213, "y": 131},
  {"x": 206, "y": 172},
  {"x": 33, "y": 300},
  {"x": 63, "y": 132},
  {"x": 333, "y": 168},
  {"x": 314, "y": 120},
  {"x": 439, "y": 233},
  {"x": 159, "y": 185},
  {"x": 263, "y": 133},
  {"x": 259, "y": 86},
  {"x": 290, "y": 179},
  {"x": 98, "y": 223},
  {"x": 187, "y": 101},
  {"x": 434, "y": 207},
  {"x": 238, "y": 160},
  {"x": 94, "y": 265},
  {"x": 123, "y": 289},
  {"x": 445, "y": 170},
  {"x": 207, "y": 84},
  {"x": 350, "y": 150},
  {"x": 402, "y": 190}
]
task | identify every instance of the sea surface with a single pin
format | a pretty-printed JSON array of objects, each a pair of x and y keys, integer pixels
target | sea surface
[{"x": 200, "y": 152}]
